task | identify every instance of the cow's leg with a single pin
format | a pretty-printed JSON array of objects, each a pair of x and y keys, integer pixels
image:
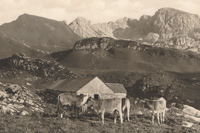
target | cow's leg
[
  {"x": 61, "y": 115},
  {"x": 163, "y": 117},
  {"x": 158, "y": 118},
  {"x": 115, "y": 116},
  {"x": 120, "y": 115},
  {"x": 124, "y": 114},
  {"x": 76, "y": 111},
  {"x": 60, "y": 112},
  {"x": 152, "y": 117},
  {"x": 128, "y": 114},
  {"x": 102, "y": 116}
]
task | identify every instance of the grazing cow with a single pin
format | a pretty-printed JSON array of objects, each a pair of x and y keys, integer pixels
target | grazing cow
[
  {"x": 158, "y": 107},
  {"x": 70, "y": 99},
  {"x": 107, "y": 105},
  {"x": 126, "y": 108}
]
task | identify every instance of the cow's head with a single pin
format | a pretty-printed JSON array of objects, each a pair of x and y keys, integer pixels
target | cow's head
[
  {"x": 93, "y": 104},
  {"x": 84, "y": 96},
  {"x": 141, "y": 104}
]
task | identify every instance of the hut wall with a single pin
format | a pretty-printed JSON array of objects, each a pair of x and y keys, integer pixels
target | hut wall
[
  {"x": 95, "y": 86},
  {"x": 120, "y": 95}
]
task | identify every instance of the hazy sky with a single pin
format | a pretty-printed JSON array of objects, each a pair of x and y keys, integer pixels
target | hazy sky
[{"x": 94, "y": 10}]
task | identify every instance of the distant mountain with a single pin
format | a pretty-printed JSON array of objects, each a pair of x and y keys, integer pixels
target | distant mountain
[
  {"x": 85, "y": 29},
  {"x": 39, "y": 33},
  {"x": 168, "y": 27},
  {"x": 110, "y": 54}
]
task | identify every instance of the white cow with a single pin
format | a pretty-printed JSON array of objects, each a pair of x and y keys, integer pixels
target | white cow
[
  {"x": 107, "y": 105},
  {"x": 70, "y": 99},
  {"x": 158, "y": 107}
]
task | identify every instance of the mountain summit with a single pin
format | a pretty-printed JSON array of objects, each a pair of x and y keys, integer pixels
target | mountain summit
[{"x": 40, "y": 33}]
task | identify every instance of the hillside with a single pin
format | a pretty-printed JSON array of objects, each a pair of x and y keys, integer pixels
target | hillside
[
  {"x": 9, "y": 46},
  {"x": 39, "y": 34},
  {"x": 110, "y": 54}
]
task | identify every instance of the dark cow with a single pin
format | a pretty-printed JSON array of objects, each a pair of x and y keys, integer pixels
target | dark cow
[
  {"x": 107, "y": 105},
  {"x": 126, "y": 108},
  {"x": 70, "y": 99}
]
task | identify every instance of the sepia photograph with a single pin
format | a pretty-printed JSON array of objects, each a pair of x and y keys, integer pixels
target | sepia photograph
[{"x": 99, "y": 66}]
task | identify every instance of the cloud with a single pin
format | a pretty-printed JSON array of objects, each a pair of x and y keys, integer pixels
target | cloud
[
  {"x": 98, "y": 4},
  {"x": 189, "y": 6},
  {"x": 124, "y": 4}
]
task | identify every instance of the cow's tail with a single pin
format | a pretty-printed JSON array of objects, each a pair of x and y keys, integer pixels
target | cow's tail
[
  {"x": 123, "y": 105},
  {"x": 123, "y": 108},
  {"x": 58, "y": 105}
]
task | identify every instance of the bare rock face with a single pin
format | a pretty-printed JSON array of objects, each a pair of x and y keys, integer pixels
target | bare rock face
[
  {"x": 182, "y": 43},
  {"x": 94, "y": 43},
  {"x": 175, "y": 22},
  {"x": 151, "y": 38},
  {"x": 85, "y": 29},
  {"x": 107, "y": 43},
  {"x": 15, "y": 99}
]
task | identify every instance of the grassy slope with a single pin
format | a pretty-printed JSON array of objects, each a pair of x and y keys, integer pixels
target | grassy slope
[
  {"x": 134, "y": 60},
  {"x": 10, "y": 47}
]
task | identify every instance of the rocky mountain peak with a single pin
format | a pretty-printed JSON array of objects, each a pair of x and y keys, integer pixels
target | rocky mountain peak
[
  {"x": 25, "y": 15},
  {"x": 170, "y": 10},
  {"x": 144, "y": 17},
  {"x": 122, "y": 20},
  {"x": 85, "y": 29},
  {"x": 174, "y": 22},
  {"x": 80, "y": 20},
  {"x": 29, "y": 18}
]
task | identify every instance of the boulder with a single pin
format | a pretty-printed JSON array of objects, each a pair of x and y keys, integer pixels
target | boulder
[
  {"x": 187, "y": 124},
  {"x": 191, "y": 111}
]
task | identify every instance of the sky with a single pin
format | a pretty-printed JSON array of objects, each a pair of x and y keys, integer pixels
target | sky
[{"x": 97, "y": 11}]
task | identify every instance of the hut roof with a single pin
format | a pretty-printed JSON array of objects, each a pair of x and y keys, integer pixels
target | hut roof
[
  {"x": 71, "y": 86},
  {"x": 76, "y": 85},
  {"x": 116, "y": 87}
]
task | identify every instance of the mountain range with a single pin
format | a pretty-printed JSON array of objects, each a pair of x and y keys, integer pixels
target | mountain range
[
  {"x": 34, "y": 35},
  {"x": 168, "y": 27}
]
